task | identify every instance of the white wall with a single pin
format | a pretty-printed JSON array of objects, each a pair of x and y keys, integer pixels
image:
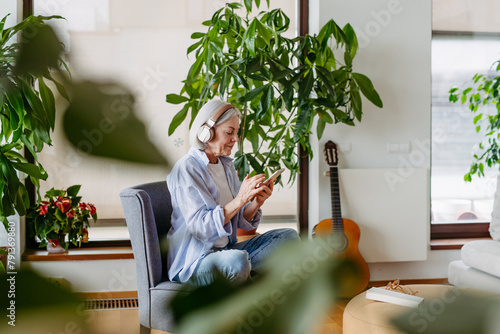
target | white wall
[{"x": 90, "y": 276}]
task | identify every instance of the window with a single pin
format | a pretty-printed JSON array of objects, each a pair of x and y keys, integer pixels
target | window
[
  {"x": 143, "y": 46},
  {"x": 465, "y": 42}
]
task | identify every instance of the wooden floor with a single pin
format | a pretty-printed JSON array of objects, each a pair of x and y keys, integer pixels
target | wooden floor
[{"x": 126, "y": 321}]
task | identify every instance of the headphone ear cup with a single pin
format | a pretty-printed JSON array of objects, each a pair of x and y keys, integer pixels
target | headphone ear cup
[{"x": 205, "y": 134}]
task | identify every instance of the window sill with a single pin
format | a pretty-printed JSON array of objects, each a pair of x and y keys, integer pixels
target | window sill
[
  {"x": 87, "y": 254},
  {"x": 457, "y": 243}
]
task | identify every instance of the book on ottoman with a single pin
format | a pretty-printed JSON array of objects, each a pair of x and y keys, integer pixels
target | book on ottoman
[{"x": 393, "y": 297}]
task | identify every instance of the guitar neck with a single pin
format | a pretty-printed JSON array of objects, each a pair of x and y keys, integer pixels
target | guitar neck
[{"x": 337, "y": 223}]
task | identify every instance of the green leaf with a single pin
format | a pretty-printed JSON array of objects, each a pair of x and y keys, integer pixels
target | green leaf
[
  {"x": 249, "y": 37},
  {"x": 197, "y": 35},
  {"x": 366, "y": 86},
  {"x": 320, "y": 128},
  {"x": 265, "y": 101},
  {"x": 305, "y": 86},
  {"x": 73, "y": 190},
  {"x": 351, "y": 38},
  {"x": 178, "y": 119},
  {"x": 10, "y": 174},
  {"x": 15, "y": 122},
  {"x": 356, "y": 102},
  {"x": 193, "y": 47},
  {"x": 239, "y": 77},
  {"x": 324, "y": 116},
  {"x": 101, "y": 121},
  {"x": 325, "y": 80},
  {"x": 264, "y": 32},
  {"x": 288, "y": 98},
  {"x": 302, "y": 123},
  {"x": 30, "y": 169},
  {"x": 248, "y": 5},
  {"x": 60, "y": 88},
  {"x": 216, "y": 49},
  {"x": 16, "y": 101},
  {"x": 253, "y": 94},
  {"x": 22, "y": 202},
  {"x": 48, "y": 102},
  {"x": 176, "y": 99},
  {"x": 253, "y": 137}
]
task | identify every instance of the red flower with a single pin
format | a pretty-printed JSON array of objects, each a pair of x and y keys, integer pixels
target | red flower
[
  {"x": 43, "y": 209},
  {"x": 54, "y": 242},
  {"x": 82, "y": 206},
  {"x": 92, "y": 209},
  {"x": 71, "y": 214},
  {"x": 85, "y": 237},
  {"x": 64, "y": 204}
]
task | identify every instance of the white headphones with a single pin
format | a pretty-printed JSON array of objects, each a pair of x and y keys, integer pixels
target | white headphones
[{"x": 206, "y": 131}]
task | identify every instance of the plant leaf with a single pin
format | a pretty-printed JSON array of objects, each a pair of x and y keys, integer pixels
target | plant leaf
[
  {"x": 302, "y": 123},
  {"x": 101, "y": 121},
  {"x": 73, "y": 190},
  {"x": 30, "y": 169},
  {"x": 178, "y": 119},
  {"x": 366, "y": 86},
  {"x": 356, "y": 101},
  {"x": 176, "y": 99}
]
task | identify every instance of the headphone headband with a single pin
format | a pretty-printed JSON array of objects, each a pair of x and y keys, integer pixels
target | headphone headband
[{"x": 215, "y": 117}]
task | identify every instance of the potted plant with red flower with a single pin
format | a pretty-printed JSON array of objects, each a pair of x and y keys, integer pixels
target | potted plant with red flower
[{"x": 61, "y": 214}]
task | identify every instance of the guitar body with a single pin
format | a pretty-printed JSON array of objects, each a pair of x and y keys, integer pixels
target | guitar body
[
  {"x": 343, "y": 235},
  {"x": 354, "y": 282}
]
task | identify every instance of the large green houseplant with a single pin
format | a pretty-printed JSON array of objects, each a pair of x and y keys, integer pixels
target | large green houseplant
[
  {"x": 27, "y": 106},
  {"x": 483, "y": 91},
  {"x": 280, "y": 84}
]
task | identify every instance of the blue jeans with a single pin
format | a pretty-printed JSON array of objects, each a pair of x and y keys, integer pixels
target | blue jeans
[{"x": 237, "y": 261}]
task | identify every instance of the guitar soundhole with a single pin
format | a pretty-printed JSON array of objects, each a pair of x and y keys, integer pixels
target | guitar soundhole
[{"x": 340, "y": 241}]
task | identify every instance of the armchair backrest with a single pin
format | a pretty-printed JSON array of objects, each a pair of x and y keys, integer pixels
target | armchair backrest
[{"x": 148, "y": 211}]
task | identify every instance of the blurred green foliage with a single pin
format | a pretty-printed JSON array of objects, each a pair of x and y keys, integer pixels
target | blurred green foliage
[{"x": 297, "y": 289}]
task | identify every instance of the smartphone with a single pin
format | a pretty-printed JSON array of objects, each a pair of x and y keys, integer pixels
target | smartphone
[{"x": 274, "y": 176}]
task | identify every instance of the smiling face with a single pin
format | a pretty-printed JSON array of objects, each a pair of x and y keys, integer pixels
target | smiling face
[{"x": 225, "y": 137}]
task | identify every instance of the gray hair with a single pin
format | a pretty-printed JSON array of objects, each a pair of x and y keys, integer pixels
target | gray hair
[{"x": 204, "y": 114}]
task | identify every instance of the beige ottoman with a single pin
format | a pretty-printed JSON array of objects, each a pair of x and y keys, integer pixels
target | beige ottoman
[{"x": 367, "y": 316}]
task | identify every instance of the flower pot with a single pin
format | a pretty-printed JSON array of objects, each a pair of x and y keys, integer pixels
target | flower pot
[{"x": 55, "y": 249}]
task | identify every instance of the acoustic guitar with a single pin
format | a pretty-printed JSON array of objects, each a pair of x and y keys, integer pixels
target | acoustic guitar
[{"x": 344, "y": 233}]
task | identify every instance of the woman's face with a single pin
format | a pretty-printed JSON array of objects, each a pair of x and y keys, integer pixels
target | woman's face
[{"x": 225, "y": 137}]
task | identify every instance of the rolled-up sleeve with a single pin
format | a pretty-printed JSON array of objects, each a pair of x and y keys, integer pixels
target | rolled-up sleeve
[
  {"x": 204, "y": 218},
  {"x": 252, "y": 223}
]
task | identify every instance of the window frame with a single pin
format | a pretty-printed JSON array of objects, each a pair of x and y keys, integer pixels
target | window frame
[
  {"x": 303, "y": 178},
  {"x": 459, "y": 230}
]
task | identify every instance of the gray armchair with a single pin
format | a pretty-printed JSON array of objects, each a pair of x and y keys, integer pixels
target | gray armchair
[{"x": 148, "y": 211}]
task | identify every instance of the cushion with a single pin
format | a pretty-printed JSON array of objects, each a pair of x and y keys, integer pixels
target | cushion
[
  {"x": 483, "y": 255},
  {"x": 461, "y": 275},
  {"x": 495, "y": 215}
]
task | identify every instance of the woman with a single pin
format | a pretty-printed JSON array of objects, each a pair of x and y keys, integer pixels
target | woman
[{"x": 210, "y": 204}]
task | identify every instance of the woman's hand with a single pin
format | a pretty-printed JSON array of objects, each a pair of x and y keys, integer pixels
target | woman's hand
[
  {"x": 265, "y": 192},
  {"x": 251, "y": 187}
]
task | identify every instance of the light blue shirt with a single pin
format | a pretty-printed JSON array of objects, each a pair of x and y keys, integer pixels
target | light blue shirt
[{"x": 197, "y": 217}]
